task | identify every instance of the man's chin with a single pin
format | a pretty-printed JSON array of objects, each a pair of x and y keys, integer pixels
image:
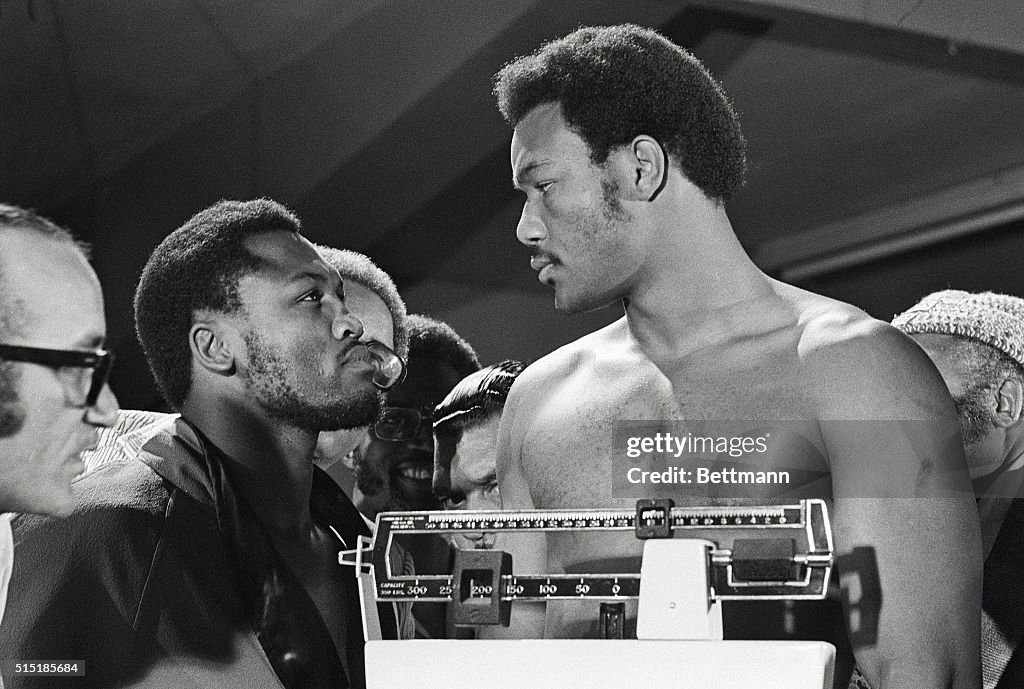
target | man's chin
[
  {"x": 350, "y": 413},
  {"x": 571, "y": 305},
  {"x": 565, "y": 304}
]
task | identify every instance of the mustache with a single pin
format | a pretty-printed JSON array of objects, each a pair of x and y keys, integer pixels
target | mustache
[{"x": 409, "y": 455}]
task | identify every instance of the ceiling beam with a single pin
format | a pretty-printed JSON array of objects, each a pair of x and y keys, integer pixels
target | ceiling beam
[{"x": 928, "y": 219}]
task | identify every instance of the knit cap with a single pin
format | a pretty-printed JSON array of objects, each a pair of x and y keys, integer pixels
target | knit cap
[{"x": 995, "y": 319}]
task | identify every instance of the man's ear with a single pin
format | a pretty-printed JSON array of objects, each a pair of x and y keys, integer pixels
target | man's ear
[
  {"x": 1010, "y": 399},
  {"x": 650, "y": 167},
  {"x": 210, "y": 349},
  {"x": 349, "y": 460}
]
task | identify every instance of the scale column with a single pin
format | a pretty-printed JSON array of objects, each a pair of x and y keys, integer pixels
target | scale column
[{"x": 676, "y": 600}]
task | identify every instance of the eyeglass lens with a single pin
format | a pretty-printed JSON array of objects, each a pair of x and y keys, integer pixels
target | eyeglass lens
[
  {"x": 99, "y": 377},
  {"x": 78, "y": 366},
  {"x": 390, "y": 369},
  {"x": 399, "y": 423}
]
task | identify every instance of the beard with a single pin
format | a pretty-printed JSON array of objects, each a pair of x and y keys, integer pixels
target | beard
[
  {"x": 269, "y": 383},
  {"x": 976, "y": 418},
  {"x": 598, "y": 233}
]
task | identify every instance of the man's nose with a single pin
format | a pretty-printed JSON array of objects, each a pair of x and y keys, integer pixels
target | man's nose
[
  {"x": 424, "y": 438},
  {"x": 479, "y": 501},
  {"x": 104, "y": 412},
  {"x": 530, "y": 229},
  {"x": 346, "y": 324}
]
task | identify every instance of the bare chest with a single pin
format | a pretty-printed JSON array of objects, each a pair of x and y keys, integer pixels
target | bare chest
[{"x": 575, "y": 436}]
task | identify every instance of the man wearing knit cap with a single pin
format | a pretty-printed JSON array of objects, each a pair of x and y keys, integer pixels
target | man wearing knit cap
[{"x": 977, "y": 343}]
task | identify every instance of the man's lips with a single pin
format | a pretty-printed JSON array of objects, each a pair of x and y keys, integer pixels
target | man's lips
[
  {"x": 89, "y": 442},
  {"x": 543, "y": 263},
  {"x": 540, "y": 261},
  {"x": 356, "y": 352}
]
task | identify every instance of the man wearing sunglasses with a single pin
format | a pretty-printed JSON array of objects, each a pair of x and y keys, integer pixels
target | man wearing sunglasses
[
  {"x": 212, "y": 560},
  {"x": 53, "y": 371}
]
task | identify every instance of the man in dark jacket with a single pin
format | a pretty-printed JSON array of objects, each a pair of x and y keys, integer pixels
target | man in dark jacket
[{"x": 213, "y": 561}]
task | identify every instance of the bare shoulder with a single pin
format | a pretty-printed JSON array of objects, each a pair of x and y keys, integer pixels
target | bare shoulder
[
  {"x": 540, "y": 391},
  {"x": 542, "y": 378},
  {"x": 863, "y": 367}
]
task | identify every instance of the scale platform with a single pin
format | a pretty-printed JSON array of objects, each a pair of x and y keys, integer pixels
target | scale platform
[{"x": 598, "y": 664}]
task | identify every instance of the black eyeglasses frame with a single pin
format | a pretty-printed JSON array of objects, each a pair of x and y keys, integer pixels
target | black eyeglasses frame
[
  {"x": 99, "y": 360},
  {"x": 423, "y": 415}
]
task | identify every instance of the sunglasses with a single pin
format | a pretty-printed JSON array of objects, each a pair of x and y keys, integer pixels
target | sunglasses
[
  {"x": 390, "y": 370},
  {"x": 399, "y": 424},
  {"x": 99, "y": 360}
]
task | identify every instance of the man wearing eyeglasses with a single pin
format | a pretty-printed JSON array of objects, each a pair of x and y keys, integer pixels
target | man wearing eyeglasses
[
  {"x": 53, "y": 368},
  {"x": 53, "y": 371},
  {"x": 212, "y": 560},
  {"x": 394, "y": 462}
]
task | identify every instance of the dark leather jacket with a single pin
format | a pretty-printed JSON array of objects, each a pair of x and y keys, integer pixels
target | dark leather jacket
[{"x": 164, "y": 577}]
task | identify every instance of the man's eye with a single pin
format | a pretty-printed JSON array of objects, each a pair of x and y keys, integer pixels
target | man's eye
[
  {"x": 491, "y": 489},
  {"x": 542, "y": 187},
  {"x": 314, "y": 296}
]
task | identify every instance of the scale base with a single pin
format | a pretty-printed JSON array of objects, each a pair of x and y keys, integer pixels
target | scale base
[{"x": 598, "y": 664}]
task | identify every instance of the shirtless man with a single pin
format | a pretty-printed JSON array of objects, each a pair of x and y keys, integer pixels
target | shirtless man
[{"x": 626, "y": 149}]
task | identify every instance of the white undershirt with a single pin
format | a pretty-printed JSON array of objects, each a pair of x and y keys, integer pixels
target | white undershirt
[
  {"x": 6, "y": 564},
  {"x": 6, "y": 558}
]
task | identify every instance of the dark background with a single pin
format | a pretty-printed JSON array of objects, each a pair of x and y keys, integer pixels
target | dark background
[{"x": 886, "y": 156}]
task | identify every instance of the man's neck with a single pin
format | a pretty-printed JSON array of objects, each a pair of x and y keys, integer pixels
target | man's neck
[
  {"x": 696, "y": 287},
  {"x": 270, "y": 462}
]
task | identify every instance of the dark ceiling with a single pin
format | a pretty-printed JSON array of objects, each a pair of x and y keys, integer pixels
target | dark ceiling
[{"x": 886, "y": 157}]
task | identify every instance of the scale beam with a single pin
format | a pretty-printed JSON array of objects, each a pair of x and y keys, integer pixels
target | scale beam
[{"x": 766, "y": 552}]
